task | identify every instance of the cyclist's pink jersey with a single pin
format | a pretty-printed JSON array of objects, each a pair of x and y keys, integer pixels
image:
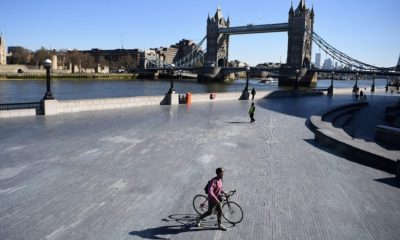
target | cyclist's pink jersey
[{"x": 215, "y": 189}]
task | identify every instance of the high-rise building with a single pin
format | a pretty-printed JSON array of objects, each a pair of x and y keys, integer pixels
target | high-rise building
[
  {"x": 328, "y": 64},
  {"x": 3, "y": 53},
  {"x": 398, "y": 64},
  {"x": 317, "y": 60}
]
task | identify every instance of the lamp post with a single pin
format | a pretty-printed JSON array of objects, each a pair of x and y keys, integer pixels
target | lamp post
[
  {"x": 296, "y": 86},
  {"x": 387, "y": 84},
  {"x": 247, "y": 79},
  {"x": 47, "y": 65},
  {"x": 373, "y": 83},
  {"x": 330, "y": 89},
  {"x": 180, "y": 74},
  {"x": 171, "y": 88},
  {"x": 355, "y": 87}
]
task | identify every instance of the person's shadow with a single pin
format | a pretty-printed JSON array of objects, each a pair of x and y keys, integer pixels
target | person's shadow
[{"x": 186, "y": 224}]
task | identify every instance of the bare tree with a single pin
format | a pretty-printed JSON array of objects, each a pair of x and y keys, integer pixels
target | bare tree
[
  {"x": 20, "y": 55},
  {"x": 39, "y": 56},
  {"x": 102, "y": 61},
  {"x": 87, "y": 61},
  {"x": 127, "y": 62},
  {"x": 74, "y": 57}
]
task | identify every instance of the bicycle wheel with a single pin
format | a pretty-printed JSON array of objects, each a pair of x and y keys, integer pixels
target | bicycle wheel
[
  {"x": 200, "y": 204},
  {"x": 232, "y": 212}
]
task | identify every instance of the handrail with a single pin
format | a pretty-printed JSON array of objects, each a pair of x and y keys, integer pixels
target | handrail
[{"x": 14, "y": 106}]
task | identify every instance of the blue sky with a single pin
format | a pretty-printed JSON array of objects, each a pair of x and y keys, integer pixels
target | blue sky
[{"x": 367, "y": 30}]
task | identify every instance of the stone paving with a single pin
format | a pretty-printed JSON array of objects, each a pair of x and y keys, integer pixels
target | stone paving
[{"x": 132, "y": 174}]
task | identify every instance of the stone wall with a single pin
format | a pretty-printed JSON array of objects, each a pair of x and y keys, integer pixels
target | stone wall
[
  {"x": 17, "y": 113},
  {"x": 53, "y": 107},
  {"x": 68, "y": 106}
]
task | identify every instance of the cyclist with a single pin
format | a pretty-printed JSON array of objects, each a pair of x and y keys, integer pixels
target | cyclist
[{"x": 214, "y": 199}]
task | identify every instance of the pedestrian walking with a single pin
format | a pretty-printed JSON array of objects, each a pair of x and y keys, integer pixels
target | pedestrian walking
[
  {"x": 251, "y": 112},
  {"x": 214, "y": 192},
  {"x": 253, "y": 93}
]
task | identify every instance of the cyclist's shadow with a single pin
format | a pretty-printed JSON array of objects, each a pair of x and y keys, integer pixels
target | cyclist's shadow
[{"x": 186, "y": 223}]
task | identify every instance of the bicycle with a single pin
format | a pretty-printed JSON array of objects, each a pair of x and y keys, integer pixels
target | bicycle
[{"x": 231, "y": 211}]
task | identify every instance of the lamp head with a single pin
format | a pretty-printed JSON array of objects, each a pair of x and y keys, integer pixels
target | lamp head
[{"x": 47, "y": 63}]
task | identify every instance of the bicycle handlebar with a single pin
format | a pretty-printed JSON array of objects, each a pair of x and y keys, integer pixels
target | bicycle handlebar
[{"x": 230, "y": 193}]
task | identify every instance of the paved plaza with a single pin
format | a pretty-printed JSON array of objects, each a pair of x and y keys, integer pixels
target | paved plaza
[{"x": 132, "y": 174}]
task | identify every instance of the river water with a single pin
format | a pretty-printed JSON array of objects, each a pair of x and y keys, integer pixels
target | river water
[{"x": 15, "y": 91}]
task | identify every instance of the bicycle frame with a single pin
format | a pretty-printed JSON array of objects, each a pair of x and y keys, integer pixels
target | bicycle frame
[{"x": 226, "y": 203}]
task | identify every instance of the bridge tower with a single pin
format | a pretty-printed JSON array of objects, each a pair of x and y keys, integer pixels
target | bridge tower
[
  {"x": 217, "y": 44},
  {"x": 301, "y": 23},
  {"x": 300, "y": 27},
  {"x": 398, "y": 65},
  {"x": 3, "y": 53}
]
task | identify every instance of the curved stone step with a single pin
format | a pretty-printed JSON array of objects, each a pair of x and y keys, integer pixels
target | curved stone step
[{"x": 366, "y": 153}]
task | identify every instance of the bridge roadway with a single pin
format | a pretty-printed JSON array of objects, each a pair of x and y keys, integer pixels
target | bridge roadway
[
  {"x": 251, "y": 29},
  {"x": 132, "y": 174},
  {"x": 273, "y": 69}
]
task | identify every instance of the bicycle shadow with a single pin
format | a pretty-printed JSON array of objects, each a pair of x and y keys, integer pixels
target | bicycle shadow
[
  {"x": 186, "y": 223},
  {"x": 238, "y": 122}
]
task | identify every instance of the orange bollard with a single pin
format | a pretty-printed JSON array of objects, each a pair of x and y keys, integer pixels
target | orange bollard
[
  {"x": 212, "y": 96},
  {"x": 188, "y": 98}
]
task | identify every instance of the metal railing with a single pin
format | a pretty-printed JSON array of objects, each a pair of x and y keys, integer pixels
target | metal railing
[{"x": 15, "y": 106}]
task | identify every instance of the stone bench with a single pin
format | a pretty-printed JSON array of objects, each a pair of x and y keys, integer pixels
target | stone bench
[{"x": 388, "y": 135}]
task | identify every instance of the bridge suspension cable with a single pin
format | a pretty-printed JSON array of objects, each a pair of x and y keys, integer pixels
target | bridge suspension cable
[
  {"x": 193, "y": 56},
  {"x": 187, "y": 61},
  {"x": 340, "y": 56}
]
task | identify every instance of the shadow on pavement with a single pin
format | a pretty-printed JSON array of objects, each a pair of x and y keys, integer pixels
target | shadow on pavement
[
  {"x": 344, "y": 155},
  {"x": 394, "y": 182},
  {"x": 239, "y": 122},
  {"x": 302, "y": 107},
  {"x": 186, "y": 223}
]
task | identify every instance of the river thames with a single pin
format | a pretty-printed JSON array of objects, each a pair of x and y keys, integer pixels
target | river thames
[{"x": 15, "y": 91}]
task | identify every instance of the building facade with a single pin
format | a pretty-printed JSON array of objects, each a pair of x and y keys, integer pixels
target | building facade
[
  {"x": 115, "y": 55},
  {"x": 328, "y": 64}
]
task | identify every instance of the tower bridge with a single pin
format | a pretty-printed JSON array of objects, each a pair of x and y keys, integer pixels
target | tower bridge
[
  {"x": 301, "y": 21},
  {"x": 297, "y": 70}
]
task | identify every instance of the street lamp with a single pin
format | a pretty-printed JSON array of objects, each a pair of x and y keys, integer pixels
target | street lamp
[
  {"x": 355, "y": 87},
  {"x": 387, "y": 84},
  {"x": 247, "y": 79},
  {"x": 47, "y": 65},
  {"x": 180, "y": 74},
  {"x": 373, "y": 83},
  {"x": 330, "y": 89},
  {"x": 296, "y": 86},
  {"x": 171, "y": 89}
]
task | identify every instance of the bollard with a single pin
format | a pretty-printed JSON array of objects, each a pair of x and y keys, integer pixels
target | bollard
[{"x": 188, "y": 98}]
